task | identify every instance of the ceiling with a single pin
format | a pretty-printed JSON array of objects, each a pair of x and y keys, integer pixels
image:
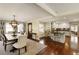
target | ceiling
[
  {"x": 62, "y": 11},
  {"x": 22, "y": 11},
  {"x": 64, "y": 8},
  {"x": 40, "y": 11}
]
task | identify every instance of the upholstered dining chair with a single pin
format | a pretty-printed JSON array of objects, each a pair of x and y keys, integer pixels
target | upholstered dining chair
[
  {"x": 6, "y": 42},
  {"x": 21, "y": 43}
]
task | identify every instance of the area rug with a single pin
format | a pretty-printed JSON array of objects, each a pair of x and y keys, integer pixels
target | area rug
[{"x": 33, "y": 48}]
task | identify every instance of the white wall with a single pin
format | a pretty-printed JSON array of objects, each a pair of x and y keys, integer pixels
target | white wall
[{"x": 48, "y": 26}]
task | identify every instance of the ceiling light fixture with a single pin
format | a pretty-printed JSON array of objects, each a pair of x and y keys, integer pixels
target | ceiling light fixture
[{"x": 14, "y": 22}]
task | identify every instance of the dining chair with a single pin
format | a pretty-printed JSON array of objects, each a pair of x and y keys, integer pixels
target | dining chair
[
  {"x": 7, "y": 42},
  {"x": 21, "y": 43}
]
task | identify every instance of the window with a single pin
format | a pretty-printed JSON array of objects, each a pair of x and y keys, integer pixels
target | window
[
  {"x": 74, "y": 28},
  {"x": 21, "y": 28},
  {"x": 61, "y": 25},
  {"x": 41, "y": 28},
  {"x": 8, "y": 28}
]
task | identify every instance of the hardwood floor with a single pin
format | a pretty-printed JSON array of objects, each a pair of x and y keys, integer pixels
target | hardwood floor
[{"x": 55, "y": 48}]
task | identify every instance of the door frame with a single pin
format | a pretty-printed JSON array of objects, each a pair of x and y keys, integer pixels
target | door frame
[{"x": 29, "y": 30}]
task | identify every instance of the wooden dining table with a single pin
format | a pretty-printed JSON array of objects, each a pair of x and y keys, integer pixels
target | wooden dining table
[{"x": 10, "y": 37}]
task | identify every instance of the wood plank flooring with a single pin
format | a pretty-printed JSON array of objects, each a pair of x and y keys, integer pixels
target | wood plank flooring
[{"x": 55, "y": 48}]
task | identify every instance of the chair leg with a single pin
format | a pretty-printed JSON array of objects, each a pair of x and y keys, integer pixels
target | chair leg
[
  {"x": 5, "y": 47},
  {"x": 25, "y": 48},
  {"x": 19, "y": 52},
  {"x": 3, "y": 43}
]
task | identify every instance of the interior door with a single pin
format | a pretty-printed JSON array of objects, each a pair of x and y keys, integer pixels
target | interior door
[{"x": 30, "y": 30}]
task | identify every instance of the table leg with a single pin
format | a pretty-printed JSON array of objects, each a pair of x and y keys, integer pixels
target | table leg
[
  {"x": 19, "y": 51},
  {"x": 25, "y": 48}
]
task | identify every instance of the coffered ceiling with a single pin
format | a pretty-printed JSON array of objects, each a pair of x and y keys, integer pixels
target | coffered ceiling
[
  {"x": 62, "y": 11},
  {"x": 43, "y": 12}
]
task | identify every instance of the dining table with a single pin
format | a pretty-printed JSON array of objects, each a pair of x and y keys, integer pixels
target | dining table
[{"x": 11, "y": 37}]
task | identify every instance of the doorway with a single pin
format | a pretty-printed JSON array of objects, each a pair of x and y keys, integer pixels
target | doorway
[{"x": 30, "y": 30}]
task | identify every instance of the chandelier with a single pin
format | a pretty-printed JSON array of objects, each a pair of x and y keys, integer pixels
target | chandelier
[{"x": 14, "y": 22}]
